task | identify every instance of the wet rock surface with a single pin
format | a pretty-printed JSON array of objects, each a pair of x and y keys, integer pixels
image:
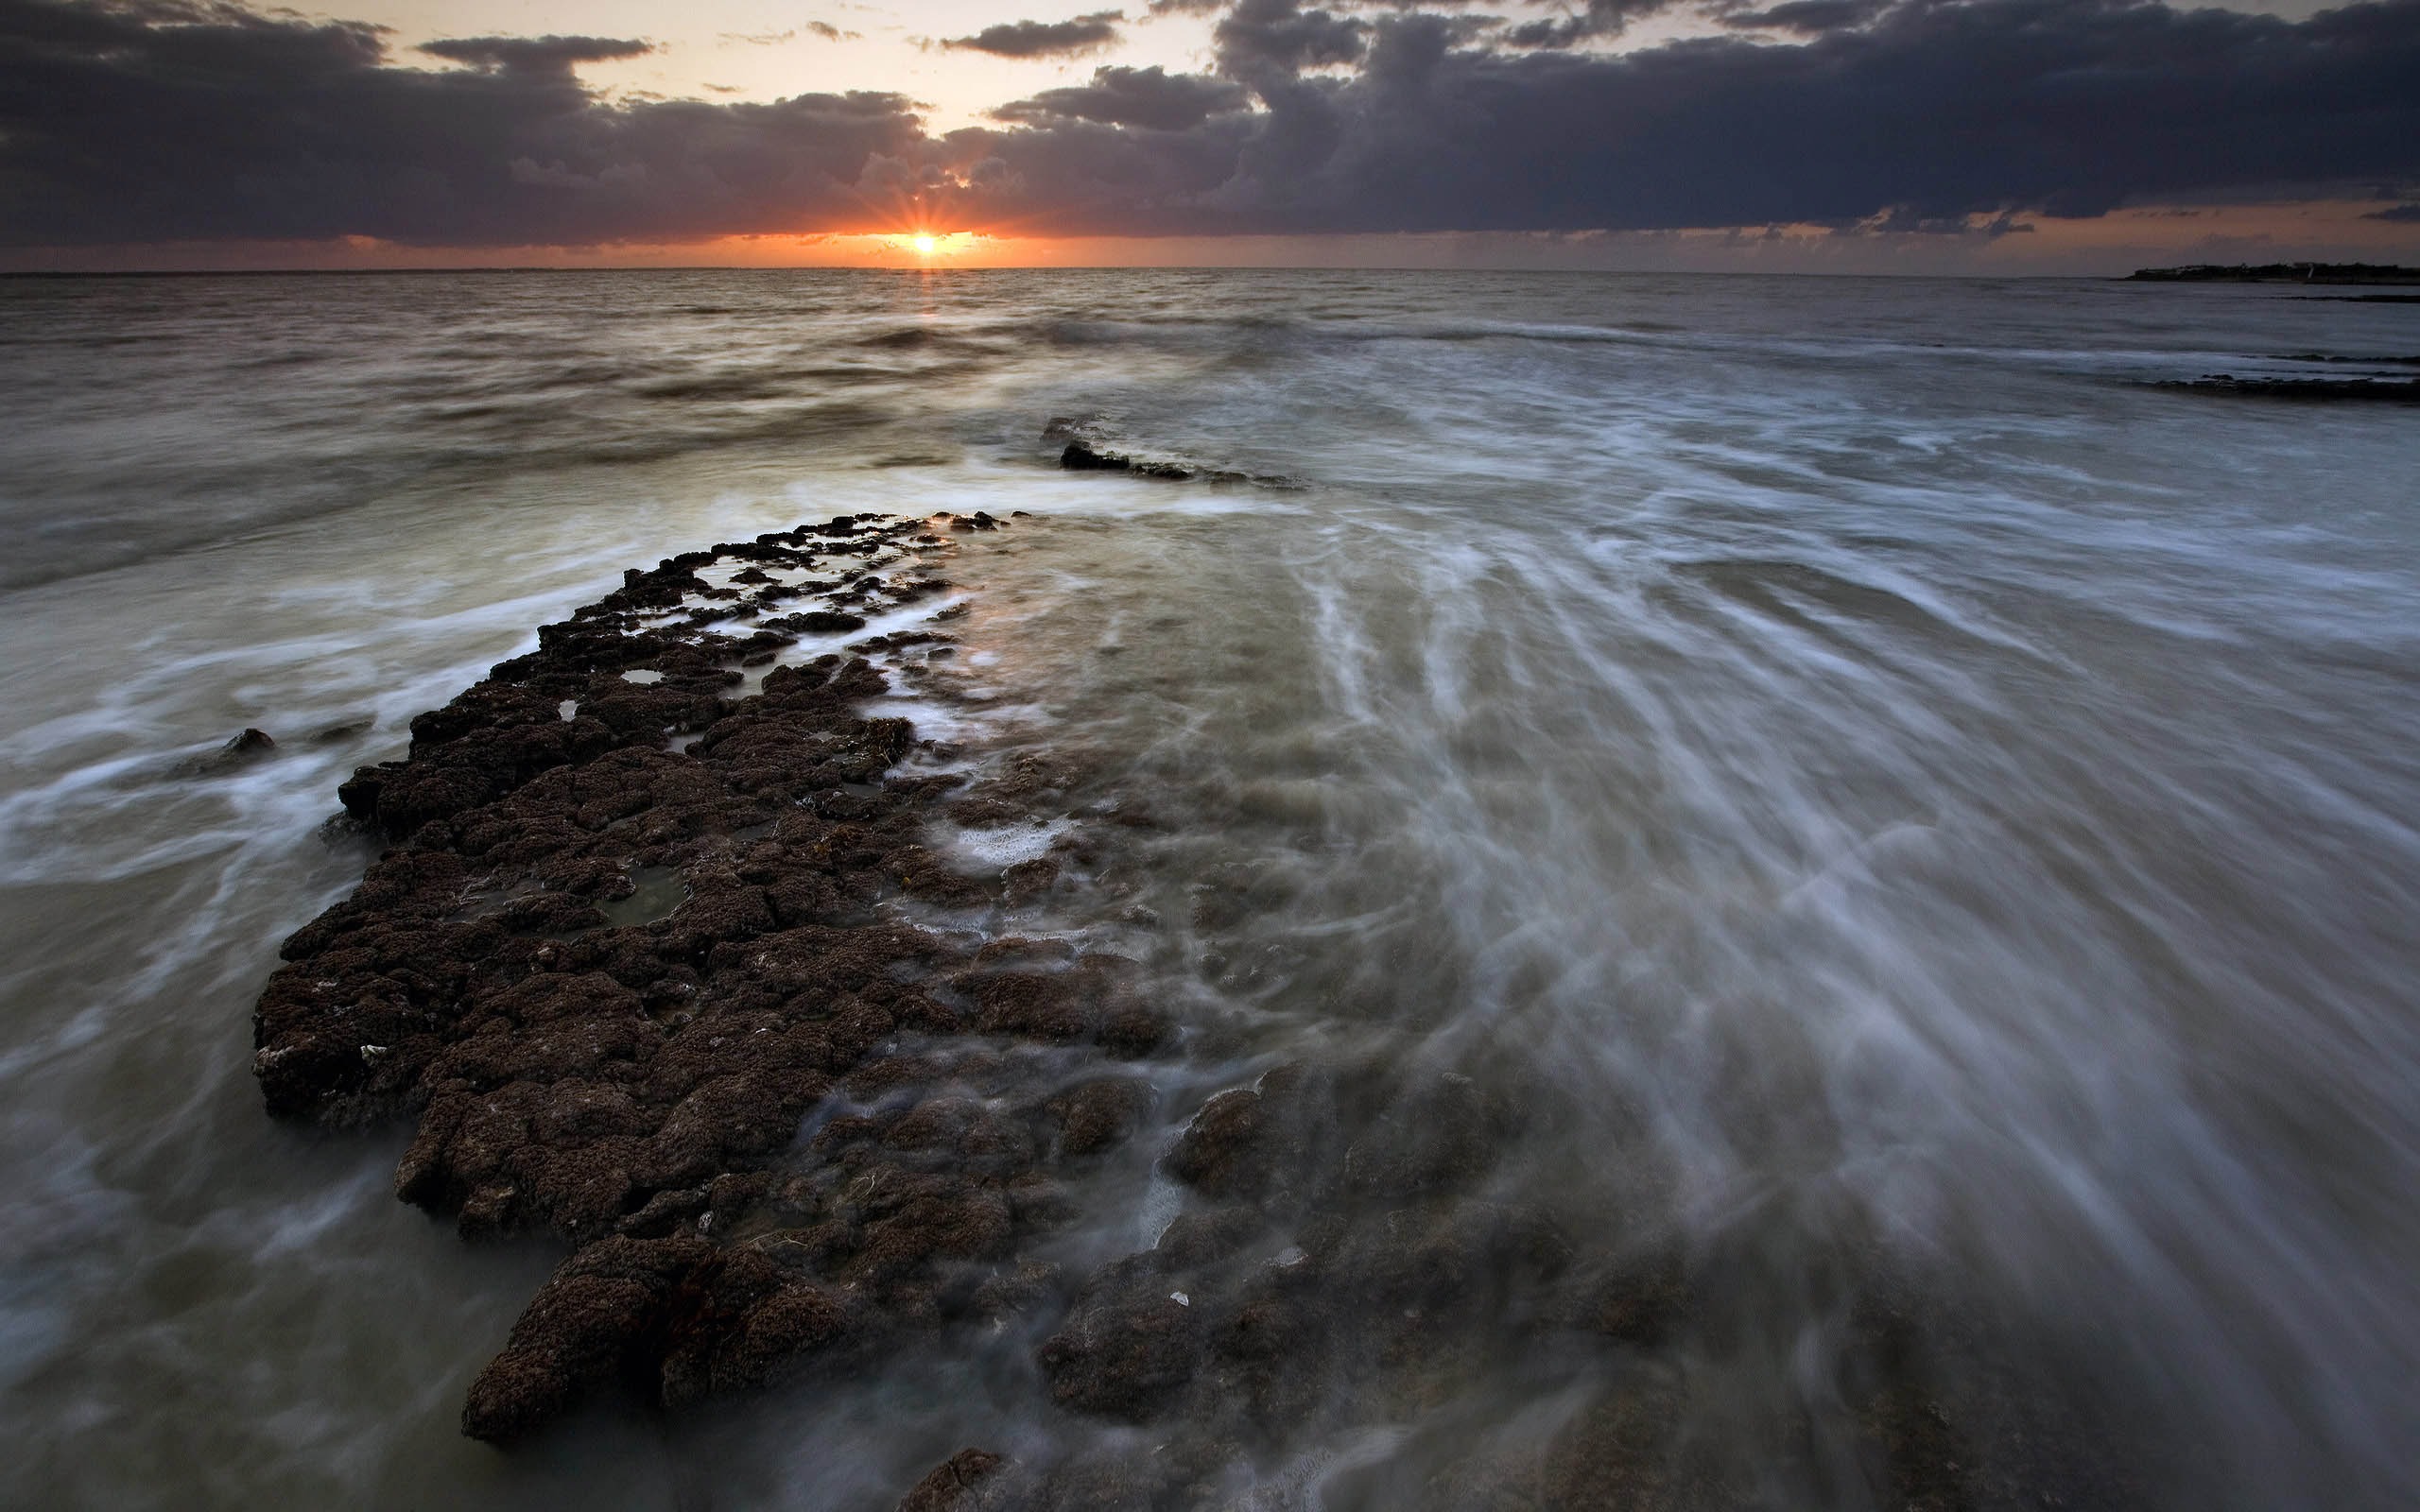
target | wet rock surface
[
  {"x": 1360, "y": 1261},
  {"x": 795, "y": 1092},
  {"x": 959, "y": 1484},
  {"x": 1083, "y": 449},
  {"x": 671, "y": 1008},
  {"x": 1081, "y": 456},
  {"x": 241, "y": 751}
]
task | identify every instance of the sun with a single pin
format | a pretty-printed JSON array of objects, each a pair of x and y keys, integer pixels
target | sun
[{"x": 926, "y": 243}]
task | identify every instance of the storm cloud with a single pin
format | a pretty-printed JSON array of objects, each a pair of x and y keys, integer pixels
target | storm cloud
[
  {"x": 1928, "y": 111},
  {"x": 132, "y": 122},
  {"x": 156, "y": 121},
  {"x": 1259, "y": 38}
]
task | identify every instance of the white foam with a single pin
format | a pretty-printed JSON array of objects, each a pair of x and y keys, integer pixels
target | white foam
[
  {"x": 813, "y": 644},
  {"x": 1163, "y": 1200},
  {"x": 998, "y": 846}
]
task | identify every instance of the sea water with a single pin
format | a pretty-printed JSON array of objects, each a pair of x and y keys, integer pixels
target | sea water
[{"x": 1930, "y": 787}]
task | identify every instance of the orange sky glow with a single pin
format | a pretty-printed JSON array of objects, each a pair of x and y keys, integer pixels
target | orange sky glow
[{"x": 2126, "y": 238}]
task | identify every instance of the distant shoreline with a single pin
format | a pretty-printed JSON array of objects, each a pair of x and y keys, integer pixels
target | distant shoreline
[{"x": 2278, "y": 273}]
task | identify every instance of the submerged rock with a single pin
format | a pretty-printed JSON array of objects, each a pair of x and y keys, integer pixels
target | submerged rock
[
  {"x": 239, "y": 752},
  {"x": 1132, "y": 1343},
  {"x": 1081, "y": 456}
]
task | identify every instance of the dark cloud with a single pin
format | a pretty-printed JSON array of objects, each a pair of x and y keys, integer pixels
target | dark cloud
[
  {"x": 832, "y": 33},
  {"x": 1599, "y": 18},
  {"x": 1807, "y": 17},
  {"x": 156, "y": 122},
  {"x": 1145, "y": 97},
  {"x": 533, "y": 54},
  {"x": 1261, "y": 39},
  {"x": 2064, "y": 107},
  {"x": 1045, "y": 38},
  {"x": 2398, "y": 213},
  {"x": 132, "y": 123}
]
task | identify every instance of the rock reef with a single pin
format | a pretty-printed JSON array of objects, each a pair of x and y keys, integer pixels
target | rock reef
[
  {"x": 610, "y": 982},
  {"x": 665, "y": 964}
]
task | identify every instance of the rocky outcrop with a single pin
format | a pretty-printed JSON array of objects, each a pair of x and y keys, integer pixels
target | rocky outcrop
[
  {"x": 1082, "y": 456},
  {"x": 647, "y": 1001}
]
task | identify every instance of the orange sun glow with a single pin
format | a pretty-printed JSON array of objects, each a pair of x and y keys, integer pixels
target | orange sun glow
[{"x": 926, "y": 243}]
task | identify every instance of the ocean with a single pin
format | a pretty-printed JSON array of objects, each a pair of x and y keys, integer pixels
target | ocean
[{"x": 1892, "y": 791}]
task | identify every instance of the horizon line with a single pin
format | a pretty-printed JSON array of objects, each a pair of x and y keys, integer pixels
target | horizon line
[{"x": 1014, "y": 268}]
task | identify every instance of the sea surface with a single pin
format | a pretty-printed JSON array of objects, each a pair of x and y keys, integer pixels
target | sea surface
[{"x": 1937, "y": 792}]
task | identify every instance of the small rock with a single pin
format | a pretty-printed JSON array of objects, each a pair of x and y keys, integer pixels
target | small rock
[
  {"x": 240, "y": 751},
  {"x": 955, "y": 1485},
  {"x": 1081, "y": 457},
  {"x": 1128, "y": 1348}
]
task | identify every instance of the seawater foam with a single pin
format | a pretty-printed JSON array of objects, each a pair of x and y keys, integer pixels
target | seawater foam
[{"x": 995, "y": 847}]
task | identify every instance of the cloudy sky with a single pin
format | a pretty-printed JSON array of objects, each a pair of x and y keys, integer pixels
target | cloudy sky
[{"x": 1968, "y": 135}]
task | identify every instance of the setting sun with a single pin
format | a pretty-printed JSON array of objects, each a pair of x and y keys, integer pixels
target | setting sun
[{"x": 924, "y": 245}]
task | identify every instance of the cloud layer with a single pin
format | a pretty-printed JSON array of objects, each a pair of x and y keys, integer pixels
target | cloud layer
[{"x": 154, "y": 120}]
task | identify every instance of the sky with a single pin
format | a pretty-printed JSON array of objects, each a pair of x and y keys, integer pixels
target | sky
[{"x": 1983, "y": 136}]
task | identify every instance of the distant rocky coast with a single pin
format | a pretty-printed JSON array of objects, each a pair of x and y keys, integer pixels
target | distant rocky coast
[{"x": 2278, "y": 273}]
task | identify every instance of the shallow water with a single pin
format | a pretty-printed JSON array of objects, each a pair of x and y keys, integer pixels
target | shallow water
[{"x": 1921, "y": 788}]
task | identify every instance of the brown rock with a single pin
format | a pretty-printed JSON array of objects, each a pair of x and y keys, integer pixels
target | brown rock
[
  {"x": 956, "y": 1485},
  {"x": 1128, "y": 1347},
  {"x": 1096, "y": 1114}
]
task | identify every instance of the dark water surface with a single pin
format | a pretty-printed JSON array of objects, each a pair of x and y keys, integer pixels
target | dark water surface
[{"x": 1933, "y": 795}]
